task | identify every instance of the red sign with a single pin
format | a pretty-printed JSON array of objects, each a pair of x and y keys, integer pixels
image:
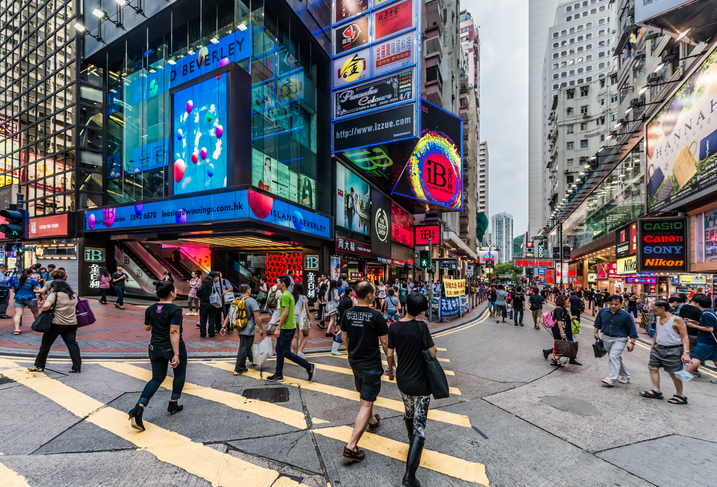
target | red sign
[
  {"x": 350, "y": 246},
  {"x": 395, "y": 18},
  {"x": 550, "y": 276},
  {"x": 402, "y": 228},
  {"x": 398, "y": 262},
  {"x": 352, "y": 35},
  {"x": 533, "y": 263},
  {"x": 424, "y": 232},
  {"x": 633, "y": 238},
  {"x": 48, "y": 226}
]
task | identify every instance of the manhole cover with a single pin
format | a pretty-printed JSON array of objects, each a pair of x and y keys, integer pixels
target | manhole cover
[
  {"x": 572, "y": 405},
  {"x": 5, "y": 380},
  {"x": 268, "y": 394}
]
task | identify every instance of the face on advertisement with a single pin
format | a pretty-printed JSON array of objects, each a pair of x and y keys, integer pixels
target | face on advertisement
[{"x": 353, "y": 201}]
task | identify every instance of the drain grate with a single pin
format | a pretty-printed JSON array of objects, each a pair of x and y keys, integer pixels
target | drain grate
[
  {"x": 268, "y": 394},
  {"x": 5, "y": 380}
]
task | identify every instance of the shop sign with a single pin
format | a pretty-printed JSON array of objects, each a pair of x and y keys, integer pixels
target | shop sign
[
  {"x": 447, "y": 265},
  {"x": 345, "y": 9},
  {"x": 681, "y": 141},
  {"x": 633, "y": 238},
  {"x": 641, "y": 280},
  {"x": 592, "y": 277},
  {"x": 401, "y": 225},
  {"x": 450, "y": 306},
  {"x": 399, "y": 263},
  {"x": 377, "y": 93},
  {"x": 710, "y": 236},
  {"x": 215, "y": 207},
  {"x": 394, "y": 53},
  {"x": 356, "y": 276},
  {"x": 488, "y": 257},
  {"x": 381, "y": 225},
  {"x": 383, "y": 260},
  {"x": 351, "y": 35},
  {"x": 469, "y": 271},
  {"x": 426, "y": 232},
  {"x": 335, "y": 271},
  {"x": 375, "y": 128},
  {"x": 94, "y": 255},
  {"x": 454, "y": 287},
  {"x": 533, "y": 263},
  {"x": 311, "y": 262},
  {"x": 49, "y": 226},
  {"x": 391, "y": 20},
  {"x": 94, "y": 276},
  {"x": 352, "y": 67},
  {"x": 310, "y": 284},
  {"x": 626, "y": 265},
  {"x": 623, "y": 242},
  {"x": 694, "y": 280},
  {"x": 662, "y": 245},
  {"x": 607, "y": 270},
  {"x": 349, "y": 246}
]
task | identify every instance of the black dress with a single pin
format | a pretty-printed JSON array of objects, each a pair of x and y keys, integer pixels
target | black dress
[{"x": 559, "y": 314}]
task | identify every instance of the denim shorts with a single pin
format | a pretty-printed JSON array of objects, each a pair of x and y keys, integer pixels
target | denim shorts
[
  {"x": 705, "y": 351},
  {"x": 29, "y": 303},
  {"x": 368, "y": 382}
]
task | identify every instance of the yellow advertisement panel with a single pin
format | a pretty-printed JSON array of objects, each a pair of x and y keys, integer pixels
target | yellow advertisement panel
[{"x": 454, "y": 287}]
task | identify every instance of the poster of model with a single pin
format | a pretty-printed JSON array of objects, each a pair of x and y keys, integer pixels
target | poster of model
[{"x": 353, "y": 201}]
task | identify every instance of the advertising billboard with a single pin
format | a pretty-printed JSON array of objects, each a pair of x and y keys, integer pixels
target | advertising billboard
[
  {"x": 352, "y": 35},
  {"x": 353, "y": 201},
  {"x": 488, "y": 257},
  {"x": 380, "y": 225},
  {"x": 377, "y": 93},
  {"x": 626, "y": 265},
  {"x": 426, "y": 232},
  {"x": 662, "y": 245},
  {"x": 402, "y": 225},
  {"x": 647, "y": 9},
  {"x": 392, "y": 19},
  {"x": 214, "y": 207},
  {"x": 48, "y": 226},
  {"x": 280, "y": 179},
  {"x": 200, "y": 142},
  {"x": 394, "y": 53},
  {"x": 375, "y": 128},
  {"x": 623, "y": 241},
  {"x": 681, "y": 142},
  {"x": 335, "y": 268},
  {"x": 345, "y": 9},
  {"x": 351, "y": 68}
]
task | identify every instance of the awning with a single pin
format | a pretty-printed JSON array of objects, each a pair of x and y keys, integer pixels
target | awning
[{"x": 453, "y": 241}]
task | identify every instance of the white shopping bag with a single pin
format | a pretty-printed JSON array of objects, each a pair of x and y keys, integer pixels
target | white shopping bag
[{"x": 262, "y": 350}]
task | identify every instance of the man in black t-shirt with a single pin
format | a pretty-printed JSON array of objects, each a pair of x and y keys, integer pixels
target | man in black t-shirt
[
  {"x": 118, "y": 281},
  {"x": 363, "y": 327}
]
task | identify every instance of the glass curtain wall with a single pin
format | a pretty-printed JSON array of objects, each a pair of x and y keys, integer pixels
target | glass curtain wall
[
  {"x": 37, "y": 103},
  {"x": 618, "y": 200},
  {"x": 283, "y": 68}
]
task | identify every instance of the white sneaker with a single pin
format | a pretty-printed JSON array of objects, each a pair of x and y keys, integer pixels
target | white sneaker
[
  {"x": 336, "y": 353},
  {"x": 608, "y": 382},
  {"x": 623, "y": 380},
  {"x": 301, "y": 354}
]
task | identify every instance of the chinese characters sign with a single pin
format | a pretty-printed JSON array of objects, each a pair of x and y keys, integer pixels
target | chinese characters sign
[
  {"x": 395, "y": 18},
  {"x": 450, "y": 306},
  {"x": 533, "y": 263},
  {"x": 350, "y": 246},
  {"x": 454, "y": 287}
]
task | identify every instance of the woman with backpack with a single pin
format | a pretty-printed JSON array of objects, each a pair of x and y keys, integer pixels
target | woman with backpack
[
  {"x": 105, "y": 280},
  {"x": 63, "y": 300},
  {"x": 166, "y": 348},
  {"x": 331, "y": 308},
  {"x": 561, "y": 330},
  {"x": 303, "y": 320},
  {"x": 392, "y": 306},
  {"x": 24, "y": 288},
  {"x": 207, "y": 313}
]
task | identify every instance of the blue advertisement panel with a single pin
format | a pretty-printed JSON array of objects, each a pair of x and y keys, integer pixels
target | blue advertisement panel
[
  {"x": 200, "y": 140},
  {"x": 218, "y": 207},
  {"x": 450, "y": 306}
]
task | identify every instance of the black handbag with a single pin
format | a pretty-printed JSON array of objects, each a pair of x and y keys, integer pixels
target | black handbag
[
  {"x": 436, "y": 376},
  {"x": 44, "y": 321},
  {"x": 599, "y": 349}
]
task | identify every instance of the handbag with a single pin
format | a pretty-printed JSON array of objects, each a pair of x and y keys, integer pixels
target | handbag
[
  {"x": 84, "y": 313},
  {"x": 436, "y": 377},
  {"x": 599, "y": 349},
  {"x": 654, "y": 180},
  {"x": 43, "y": 322},
  {"x": 261, "y": 297},
  {"x": 215, "y": 299},
  {"x": 685, "y": 167},
  {"x": 566, "y": 348}
]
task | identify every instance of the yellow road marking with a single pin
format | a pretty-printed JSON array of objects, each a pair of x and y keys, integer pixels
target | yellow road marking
[
  {"x": 230, "y": 399},
  {"x": 458, "y": 328},
  {"x": 220, "y": 469},
  {"x": 344, "y": 370},
  {"x": 441, "y": 349},
  {"x": 346, "y": 357},
  {"x": 433, "y": 414},
  {"x": 432, "y": 460},
  {"x": 11, "y": 479}
]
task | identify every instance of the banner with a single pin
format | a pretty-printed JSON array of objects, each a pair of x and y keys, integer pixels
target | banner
[
  {"x": 465, "y": 304},
  {"x": 375, "y": 128},
  {"x": 377, "y": 93},
  {"x": 454, "y": 287},
  {"x": 450, "y": 306},
  {"x": 662, "y": 245}
]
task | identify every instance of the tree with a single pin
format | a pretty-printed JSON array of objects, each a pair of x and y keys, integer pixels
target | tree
[
  {"x": 518, "y": 245},
  {"x": 508, "y": 268}
]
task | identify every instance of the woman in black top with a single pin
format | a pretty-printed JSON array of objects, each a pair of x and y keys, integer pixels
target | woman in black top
[
  {"x": 345, "y": 303},
  {"x": 561, "y": 331},
  {"x": 166, "y": 347},
  {"x": 207, "y": 312},
  {"x": 412, "y": 377}
]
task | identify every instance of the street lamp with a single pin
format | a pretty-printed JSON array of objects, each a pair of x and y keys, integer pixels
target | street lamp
[
  {"x": 125, "y": 3},
  {"x": 80, "y": 27}
]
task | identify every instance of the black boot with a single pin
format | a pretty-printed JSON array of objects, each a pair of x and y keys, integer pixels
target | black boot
[
  {"x": 412, "y": 462},
  {"x": 574, "y": 362},
  {"x": 135, "y": 415},
  {"x": 174, "y": 407},
  {"x": 409, "y": 429}
]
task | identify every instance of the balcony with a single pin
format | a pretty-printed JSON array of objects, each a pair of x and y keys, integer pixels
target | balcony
[
  {"x": 433, "y": 45},
  {"x": 434, "y": 14},
  {"x": 434, "y": 82}
]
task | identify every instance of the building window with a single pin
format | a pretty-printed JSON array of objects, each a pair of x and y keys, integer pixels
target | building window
[
  {"x": 570, "y": 146},
  {"x": 556, "y": 55},
  {"x": 570, "y": 94},
  {"x": 563, "y": 43},
  {"x": 555, "y": 87},
  {"x": 580, "y": 27},
  {"x": 613, "y": 79},
  {"x": 584, "y": 144},
  {"x": 572, "y": 72},
  {"x": 601, "y": 54},
  {"x": 570, "y": 178},
  {"x": 555, "y": 34},
  {"x": 563, "y": 64},
  {"x": 602, "y": 9},
  {"x": 588, "y": 37},
  {"x": 613, "y": 98},
  {"x": 563, "y": 74},
  {"x": 570, "y": 111},
  {"x": 601, "y": 44},
  {"x": 572, "y": 40},
  {"x": 555, "y": 45},
  {"x": 580, "y": 70},
  {"x": 580, "y": 49},
  {"x": 580, "y": 38},
  {"x": 589, "y": 57},
  {"x": 602, "y": 137},
  {"x": 570, "y": 162},
  {"x": 577, "y": 16},
  {"x": 583, "y": 125},
  {"x": 602, "y": 83},
  {"x": 571, "y": 129},
  {"x": 555, "y": 66},
  {"x": 584, "y": 110},
  {"x": 602, "y": 102},
  {"x": 568, "y": 8},
  {"x": 564, "y": 53},
  {"x": 601, "y": 21},
  {"x": 556, "y": 76},
  {"x": 593, "y": 11},
  {"x": 589, "y": 68},
  {"x": 601, "y": 65},
  {"x": 563, "y": 32},
  {"x": 568, "y": 18},
  {"x": 583, "y": 91}
]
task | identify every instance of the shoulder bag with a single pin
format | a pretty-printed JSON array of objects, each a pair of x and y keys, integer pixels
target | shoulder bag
[
  {"x": 215, "y": 299},
  {"x": 436, "y": 376},
  {"x": 43, "y": 322},
  {"x": 84, "y": 313}
]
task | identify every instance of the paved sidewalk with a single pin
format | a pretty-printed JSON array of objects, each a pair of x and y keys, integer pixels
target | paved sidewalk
[{"x": 120, "y": 333}]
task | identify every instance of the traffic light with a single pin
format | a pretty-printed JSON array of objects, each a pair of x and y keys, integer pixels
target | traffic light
[
  {"x": 425, "y": 259},
  {"x": 14, "y": 227}
]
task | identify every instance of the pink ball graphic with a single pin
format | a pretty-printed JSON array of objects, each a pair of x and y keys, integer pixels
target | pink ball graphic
[
  {"x": 138, "y": 209},
  {"x": 181, "y": 216},
  {"x": 136, "y": 170},
  {"x": 109, "y": 216},
  {"x": 210, "y": 170},
  {"x": 190, "y": 106},
  {"x": 224, "y": 61},
  {"x": 219, "y": 131},
  {"x": 91, "y": 221},
  {"x": 203, "y": 153},
  {"x": 179, "y": 168},
  {"x": 195, "y": 157}
]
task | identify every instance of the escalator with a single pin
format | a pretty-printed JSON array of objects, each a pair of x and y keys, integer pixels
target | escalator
[
  {"x": 236, "y": 273},
  {"x": 178, "y": 270},
  {"x": 127, "y": 250},
  {"x": 149, "y": 265}
]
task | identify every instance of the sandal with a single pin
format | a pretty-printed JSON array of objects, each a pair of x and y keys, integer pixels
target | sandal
[
  {"x": 353, "y": 456},
  {"x": 677, "y": 399},
  {"x": 652, "y": 394},
  {"x": 557, "y": 363},
  {"x": 372, "y": 428},
  {"x": 36, "y": 369}
]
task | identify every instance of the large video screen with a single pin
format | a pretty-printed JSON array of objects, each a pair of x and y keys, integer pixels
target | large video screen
[
  {"x": 353, "y": 201},
  {"x": 200, "y": 142},
  {"x": 283, "y": 179}
]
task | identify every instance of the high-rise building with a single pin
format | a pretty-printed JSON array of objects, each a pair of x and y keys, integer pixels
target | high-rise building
[
  {"x": 502, "y": 235},
  {"x": 483, "y": 186}
]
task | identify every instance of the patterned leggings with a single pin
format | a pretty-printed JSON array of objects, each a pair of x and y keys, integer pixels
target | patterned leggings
[{"x": 417, "y": 410}]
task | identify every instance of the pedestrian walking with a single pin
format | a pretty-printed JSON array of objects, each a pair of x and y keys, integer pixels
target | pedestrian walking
[
  {"x": 303, "y": 320},
  {"x": 194, "y": 284},
  {"x": 244, "y": 313},
  {"x": 105, "y": 280},
  {"x": 287, "y": 326},
  {"x": 518, "y": 301},
  {"x": 63, "y": 301},
  {"x": 392, "y": 306},
  {"x": 332, "y": 299},
  {"x": 706, "y": 348},
  {"x": 208, "y": 314},
  {"x": 166, "y": 348},
  {"x": 576, "y": 305},
  {"x": 618, "y": 333},
  {"x": 24, "y": 288},
  {"x": 500, "y": 304},
  {"x": 561, "y": 330},
  {"x": 272, "y": 306},
  {"x": 632, "y": 304},
  {"x": 405, "y": 339},
  {"x": 381, "y": 295},
  {"x": 535, "y": 301},
  {"x": 4, "y": 292},
  {"x": 363, "y": 328},
  {"x": 346, "y": 303},
  {"x": 321, "y": 300},
  {"x": 226, "y": 291},
  {"x": 491, "y": 300},
  {"x": 670, "y": 349},
  {"x": 119, "y": 278}
]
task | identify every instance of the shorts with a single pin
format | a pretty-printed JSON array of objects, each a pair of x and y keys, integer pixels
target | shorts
[
  {"x": 537, "y": 313},
  {"x": 669, "y": 359},
  {"x": 368, "y": 382},
  {"x": 29, "y": 303},
  {"x": 501, "y": 310},
  {"x": 491, "y": 304},
  {"x": 705, "y": 351}
]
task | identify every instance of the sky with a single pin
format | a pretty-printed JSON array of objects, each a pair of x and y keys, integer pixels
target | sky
[{"x": 503, "y": 28}]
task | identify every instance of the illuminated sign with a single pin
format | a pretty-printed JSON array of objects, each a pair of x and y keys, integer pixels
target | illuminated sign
[
  {"x": 94, "y": 255},
  {"x": 356, "y": 276},
  {"x": 345, "y": 9},
  {"x": 350, "y": 68},
  {"x": 353, "y": 201},
  {"x": 662, "y": 245},
  {"x": 626, "y": 265},
  {"x": 381, "y": 225},
  {"x": 394, "y": 53},
  {"x": 350, "y": 36},
  {"x": 641, "y": 280},
  {"x": 216, "y": 207},
  {"x": 487, "y": 256},
  {"x": 533, "y": 263},
  {"x": 374, "y": 128},
  {"x": 310, "y": 284},
  {"x": 377, "y": 93},
  {"x": 696, "y": 280},
  {"x": 426, "y": 232},
  {"x": 402, "y": 225},
  {"x": 393, "y": 19},
  {"x": 623, "y": 242},
  {"x": 311, "y": 262},
  {"x": 350, "y": 246},
  {"x": 49, "y": 226}
]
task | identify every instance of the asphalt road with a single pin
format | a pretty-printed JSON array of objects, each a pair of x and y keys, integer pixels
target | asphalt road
[{"x": 511, "y": 420}]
